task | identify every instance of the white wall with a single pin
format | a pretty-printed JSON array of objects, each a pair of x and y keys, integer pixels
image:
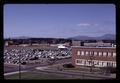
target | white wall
[{"x": 97, "y": 63}]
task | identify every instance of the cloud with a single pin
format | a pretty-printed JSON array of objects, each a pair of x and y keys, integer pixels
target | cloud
[
  {"x": 86, "y": 24},
  {"x": 95, "y": 24},
  {"x": 83, "y": 24}
]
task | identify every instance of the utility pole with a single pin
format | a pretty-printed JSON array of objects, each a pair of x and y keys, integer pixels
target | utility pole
[{"x": 19, "y": 67}]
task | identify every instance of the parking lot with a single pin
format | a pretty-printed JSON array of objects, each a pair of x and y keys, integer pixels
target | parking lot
[{"x": 16, "y": 55}]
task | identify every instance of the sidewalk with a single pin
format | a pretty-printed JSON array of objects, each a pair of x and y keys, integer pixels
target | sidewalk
[{"x": 11, "y": 73}]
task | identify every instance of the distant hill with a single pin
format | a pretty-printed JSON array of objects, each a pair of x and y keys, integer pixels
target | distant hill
[
  {"x": 21, "y": 37},
  {"x": 104, "y": 37}
]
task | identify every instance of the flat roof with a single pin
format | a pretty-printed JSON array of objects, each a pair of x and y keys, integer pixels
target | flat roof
[{"x": 89, "y": 47}]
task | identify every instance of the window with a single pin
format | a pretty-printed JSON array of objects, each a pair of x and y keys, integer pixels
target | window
[
  {"x": 95, "y": 53},
  {"x": 89, "y": 62},
  {"x": 108, "y": 64},
  {"x": 79, "y": 61},
  {"x": 87, "y": 52},
  {"x": 102, "y": 63},
  {"x": 82, "y": 52},
  {"x": 95, "y": 62},
  {"x": 100, "y": 53},
  {"x": 114, "y": 54},
  {"x": 109, "y": 53},
  {"x": 91, "y": 53},
  {"x": 78, "y": 52},
  {"x": 104, "y": 53},
  {"x": 114, "y": 64}
]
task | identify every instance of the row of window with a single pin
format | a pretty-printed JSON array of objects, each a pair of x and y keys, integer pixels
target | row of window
[
  {"x": 96, "y": 53},
  {"x": 95, "y": 63}
]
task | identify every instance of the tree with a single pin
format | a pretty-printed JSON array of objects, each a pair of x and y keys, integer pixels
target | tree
[{"x": 59, "y": 68}]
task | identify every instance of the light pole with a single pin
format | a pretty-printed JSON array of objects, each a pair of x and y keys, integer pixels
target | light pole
[
  {"x": 19, "y": 67},
  {"x": 83, "y": 75},
  {"x": 51, "y": 60}
]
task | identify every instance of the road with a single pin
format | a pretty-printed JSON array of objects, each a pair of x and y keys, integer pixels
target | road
[
  {"x": 12, "y": 68},
  {"x": 80, "y": 75},
  {"x": 44, "y": 69}
]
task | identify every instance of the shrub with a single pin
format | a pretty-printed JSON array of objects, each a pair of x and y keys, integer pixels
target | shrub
[
  {"x": 113, "y": 70},
  {"x": 23, "y": 63},
  {"x": 68, "y": 66},
  {"x": 109, "y": 69}
]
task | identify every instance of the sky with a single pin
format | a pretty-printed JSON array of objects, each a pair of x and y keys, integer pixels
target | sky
[{"x": 59, "y": 20}]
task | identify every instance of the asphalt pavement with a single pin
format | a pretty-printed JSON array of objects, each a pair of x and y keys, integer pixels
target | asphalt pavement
[{"x": 12, "y": 68}]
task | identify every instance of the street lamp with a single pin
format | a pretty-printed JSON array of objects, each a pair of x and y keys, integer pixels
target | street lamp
[
  {"x": 51, "y": 60},
  {"x": 19, "y": 67}
]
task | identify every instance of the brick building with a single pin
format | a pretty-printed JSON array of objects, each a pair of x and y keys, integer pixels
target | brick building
[{"x": 97, "y": 56}]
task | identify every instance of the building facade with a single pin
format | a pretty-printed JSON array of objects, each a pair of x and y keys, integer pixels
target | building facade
[
  {"x": 93, "y": 56},
  {"x": 76, "y": 43},
  {"x": 98, "y": 44}
]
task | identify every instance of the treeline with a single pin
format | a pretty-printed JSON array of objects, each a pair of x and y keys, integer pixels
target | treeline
[
  {"x": 51, "y": 41},
  {"x": 39, "y": 41}
]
